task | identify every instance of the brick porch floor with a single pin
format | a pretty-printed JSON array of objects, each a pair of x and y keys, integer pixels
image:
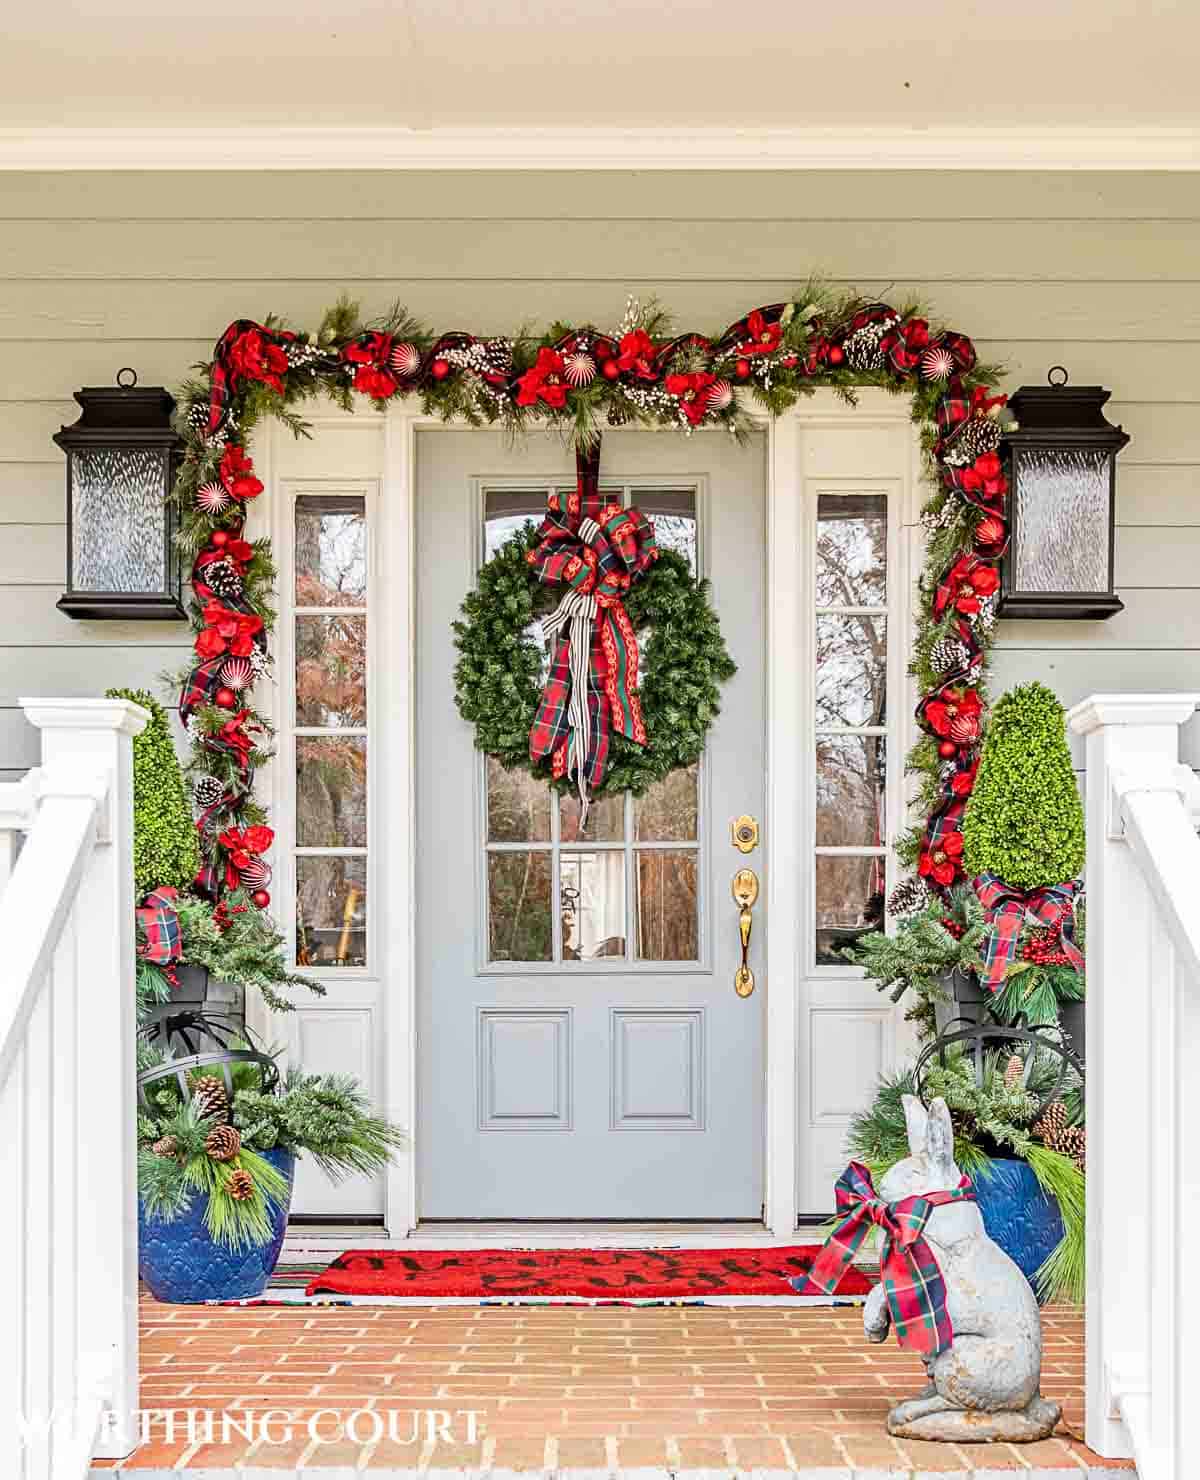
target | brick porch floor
[{"x": 573, "y": 1388}]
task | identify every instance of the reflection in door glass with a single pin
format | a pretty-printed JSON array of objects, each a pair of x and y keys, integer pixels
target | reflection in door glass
[
  {"x": 331, "y": 550},
  {"x": 592, "y": 905},
  {"x": 519, "y": 924},
  {"x": 507, "y": 512},
  {"x": 331, "y": 911},
  {"x": 518, "y": 806},
  {"x": 852, "y": 549},
  {"x": 850, "y": 902},
  {"x": 673, "y": 514},
  {"x": 851, "y": 777},
  {"x": 667, "y": 900},
  {"x": 851, "y": 671},
  {"x": 669, "y": 810},
  {"x": 331, "y": 791}
]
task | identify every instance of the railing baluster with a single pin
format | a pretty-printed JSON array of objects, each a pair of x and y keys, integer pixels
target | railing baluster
[
  {"x": 72, "y": 1079},
  {"x": 13, "y": 1252},
  {"x": 40, "y": 1232}
]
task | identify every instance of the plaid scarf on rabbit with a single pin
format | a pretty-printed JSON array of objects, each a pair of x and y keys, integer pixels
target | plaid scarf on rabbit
[{"x": 912, "y": 1281}]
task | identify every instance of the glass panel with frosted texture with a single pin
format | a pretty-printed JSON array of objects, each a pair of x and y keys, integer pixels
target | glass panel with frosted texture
[
  {"x": 1061, "y": 528},
  {"x": 118, "y": 519}
]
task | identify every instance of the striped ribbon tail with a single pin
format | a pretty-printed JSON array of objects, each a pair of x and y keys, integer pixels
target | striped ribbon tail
[{"x": 577, "y": 613}]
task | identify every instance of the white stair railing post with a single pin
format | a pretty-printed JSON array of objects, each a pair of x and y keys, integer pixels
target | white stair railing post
[
  {"x": 81, "y": 736},
  {"x": 1132, "y": 1151}
]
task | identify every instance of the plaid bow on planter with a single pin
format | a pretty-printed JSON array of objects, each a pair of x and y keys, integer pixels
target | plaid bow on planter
[
  {"x": 1004, "y": 911},
  {"x": 912, "y": 1280},
  {"x": 158, "y": 916},
  {"x": 597, "y": 551}
]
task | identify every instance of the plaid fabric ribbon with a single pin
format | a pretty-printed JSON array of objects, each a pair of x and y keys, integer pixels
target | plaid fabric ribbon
[
  {"x": 912, "y": 1280},
  {"x": 597, "y": 551},
  {"x": 1005, "y": 910},
  {"x": 158, "y": 919}
]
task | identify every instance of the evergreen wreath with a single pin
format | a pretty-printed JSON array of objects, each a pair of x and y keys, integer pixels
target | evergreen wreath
[{"x": 497, "y": 680}]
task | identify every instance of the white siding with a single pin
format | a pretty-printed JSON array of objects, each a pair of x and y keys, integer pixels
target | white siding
[{"x": 1096, "y": 272}]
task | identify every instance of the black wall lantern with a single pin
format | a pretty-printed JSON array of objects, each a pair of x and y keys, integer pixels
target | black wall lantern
[
  {"x": 122, "y": 457},
  {"x": 1062, "y": 475}
]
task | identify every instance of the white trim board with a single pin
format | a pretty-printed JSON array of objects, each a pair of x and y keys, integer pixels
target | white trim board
[{"x": 965, "y": 148}]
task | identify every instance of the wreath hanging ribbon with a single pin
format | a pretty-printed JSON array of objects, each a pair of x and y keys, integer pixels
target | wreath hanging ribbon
[{"x": 597, "y": 551}]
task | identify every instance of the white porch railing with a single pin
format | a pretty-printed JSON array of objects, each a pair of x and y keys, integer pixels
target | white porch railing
[
  {"x": 1143, "y": 1087},
  {"x": 68, "y": 1236}
]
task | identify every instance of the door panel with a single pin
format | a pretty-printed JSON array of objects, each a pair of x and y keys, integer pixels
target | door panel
[{"x": 573, "y": 989}]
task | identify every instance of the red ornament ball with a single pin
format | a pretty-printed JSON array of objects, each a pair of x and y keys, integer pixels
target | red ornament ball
[
  {"x": 225, "y": 698},
  {"x": 261, "y": 898},
  {"x": 989, "y": 531},
  {"x": 601, "y": 349},
  {"x": 440, "y": 369},
  {"x": 742, "y": 369},
  {"x": 964, "y": 728},
  {"x": 947, "y": 750},
  {"x": 220, "y": 538},
  {"x": 610, "y": 369},
  {"x": 836, "y": 354}
]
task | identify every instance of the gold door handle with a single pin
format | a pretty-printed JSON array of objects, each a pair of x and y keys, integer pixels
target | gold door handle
[{"x": 745, "y": 894}]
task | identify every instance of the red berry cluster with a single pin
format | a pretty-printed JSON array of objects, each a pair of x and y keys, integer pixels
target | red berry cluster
[
  {"x": 223, "y": 915},
  {"x": 952, "y": 927},
  {"x": 1044, "y": 948}
]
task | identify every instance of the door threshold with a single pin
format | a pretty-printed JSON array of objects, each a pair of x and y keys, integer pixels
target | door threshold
[{"x": 551, "y": 1234}]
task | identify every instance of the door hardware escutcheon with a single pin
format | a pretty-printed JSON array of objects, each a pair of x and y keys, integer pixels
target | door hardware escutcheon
[
  {"x": 745, "y": 894},
  {"x": 745, "y": 834}
]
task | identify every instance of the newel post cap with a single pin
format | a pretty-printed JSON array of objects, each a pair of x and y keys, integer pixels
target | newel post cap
[
  {"x": 1099, "y": 710},
  {"x": 120, "y": 715}
]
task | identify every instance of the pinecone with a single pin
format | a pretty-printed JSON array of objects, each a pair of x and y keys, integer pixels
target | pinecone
[
  {"x": 207, "y": 791},
  {"x": 1068, "y": 1140},
  {"x": 975, "y": 437},
  {"x": 241, "y": 1186},
  {"x": 909, "y": 896},
  {"x": 862, "y": 346},
  {"x": 1014, "y": 1071},
  {"x": 210, "y": 1098},
  {"x": 948, "y": 655},
  {"x": 223, "y": 1143},
  {"x": 168, "y": 1146},
  {"x": 197, "y": 416},
  {"x": 258, "y": 660},
  {"x": 1053, "y": 1123},
  {"x": 224, "y": 578}
]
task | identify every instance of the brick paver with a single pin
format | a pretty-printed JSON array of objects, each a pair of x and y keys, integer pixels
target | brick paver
[{"x": 559, "y": 1388}]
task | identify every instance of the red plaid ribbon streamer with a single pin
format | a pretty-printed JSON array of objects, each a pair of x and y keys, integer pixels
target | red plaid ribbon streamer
[
  {"x": 1005, "y": 909},
  {"x": 597, "y": 551},
  {"x": 158, "y": 918},
  {"x": 912, "y": 1280}
]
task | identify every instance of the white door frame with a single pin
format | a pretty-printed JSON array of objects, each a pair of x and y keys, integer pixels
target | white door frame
[{"x": 788, "y": 878}]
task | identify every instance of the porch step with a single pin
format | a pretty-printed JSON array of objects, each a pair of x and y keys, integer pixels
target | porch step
[{"x": 983, "y": 1471}]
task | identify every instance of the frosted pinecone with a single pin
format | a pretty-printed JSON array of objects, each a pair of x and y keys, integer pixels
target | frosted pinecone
[
  {"x": 225, "y": 579},
  {"x": 948, "y": 655},
  {"x": 207, "y": 791},
  {"x": 862, "y": 346},
  {"x": 197, "y": 416},
  {"x": 985, "y": 617},
  {"x": 975, "y": 437},
  {"x": 908, "y": 898},
  {"x": 258, "y": 660}
]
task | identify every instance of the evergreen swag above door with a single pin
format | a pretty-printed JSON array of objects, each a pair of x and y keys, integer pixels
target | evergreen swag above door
[{"x": 581, "y": 380}]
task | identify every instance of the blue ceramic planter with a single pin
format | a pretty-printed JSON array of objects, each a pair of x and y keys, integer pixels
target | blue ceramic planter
[
  {"x": 182, "y": 1265},
  {"x": 1018, "y": 1215}
]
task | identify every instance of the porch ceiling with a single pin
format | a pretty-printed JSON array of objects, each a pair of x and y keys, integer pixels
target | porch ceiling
[{"x": 601, "y": 63}]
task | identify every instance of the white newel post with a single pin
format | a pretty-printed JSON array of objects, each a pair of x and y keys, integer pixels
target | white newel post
[
  {"x": 80, "y": 735},
  {"x": 1138, "y": 1024}
]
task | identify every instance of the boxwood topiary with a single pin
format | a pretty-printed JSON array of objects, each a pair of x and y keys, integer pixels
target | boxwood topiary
[
  {"x": 1024, "y": 821},
  {"x": 165, "y": 849}
]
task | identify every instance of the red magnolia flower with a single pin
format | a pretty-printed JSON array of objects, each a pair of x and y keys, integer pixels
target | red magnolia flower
[
  {"x": 963, "y": 783},
  {"x": 691, "y": 391},
  {"x": 940, "y": 714},
  {"x": 253, "y": 357},
  {"x": 370, "y": 352},
  {"x": 209, "y": 643},
  {"x": 240, "y": 551},
  {"x": 544, "y": 381},
  {"x": 236, "y": 630},
  {"x": 763, "y": 338},
  {"x": 258, "y": 839},
  {"x": 237, "y": 473},
  {"x": 636, "y": 355},
  {"x": 916, "y": 333},
  {"x": 375, "y": 382},
  {"x": 941, "y": 862}
]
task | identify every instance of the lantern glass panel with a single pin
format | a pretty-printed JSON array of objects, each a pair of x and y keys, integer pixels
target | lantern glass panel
[
  {"x": 118, "y": 518},
  {"x": 1060, "y": 534}
]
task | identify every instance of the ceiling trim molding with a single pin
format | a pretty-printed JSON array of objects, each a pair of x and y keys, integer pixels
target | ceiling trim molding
[{"x": 598, "y": 149}]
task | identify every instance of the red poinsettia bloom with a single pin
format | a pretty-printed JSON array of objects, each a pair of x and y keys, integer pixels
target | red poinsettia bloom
[
  {"x": 963, "y": 784},
  {"x": 940, "y": 714},
  {"x": 984, "y": 579},
  {"x": 916, "y": 333},
  {"x": 761, "y": 338},
  {"x": 691, "y": 391},
  {"x": 258, "y": 839},
  {"x": 636, "y": 355},
  {"x": 941, "y": 862},
  {"x": 369, "y": 349},
  {"x": 370, "y": 353},
  {"x": 209, "y": 643},
  {"x": 544, "y": 381},
  {"x": 239, "y": 551},
  {"x": 375, "y": 382},
  {"x": 253, "y": 356},
  {"x": 237, "y": 473}
]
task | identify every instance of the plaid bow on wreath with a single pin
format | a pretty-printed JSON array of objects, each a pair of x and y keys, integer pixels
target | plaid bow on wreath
[
  {"x": 912, "y": 1280},
  {"x": 1004, "y": 911},
  {"x": 597, "y": 551}
]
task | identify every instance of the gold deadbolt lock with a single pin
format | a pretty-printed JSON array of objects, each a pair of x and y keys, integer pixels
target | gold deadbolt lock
[
  {"x": 745, "y": 834},
  {"x": 745, "y": 894}
]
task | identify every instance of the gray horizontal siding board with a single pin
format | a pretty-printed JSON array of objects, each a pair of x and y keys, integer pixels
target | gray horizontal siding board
[{"x": 30, "y": 614}]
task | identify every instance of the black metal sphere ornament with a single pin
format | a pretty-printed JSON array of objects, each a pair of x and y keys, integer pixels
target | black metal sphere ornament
[
  {"x": 219, "y": 1062},
  {"x": 978, "y": 1037}
]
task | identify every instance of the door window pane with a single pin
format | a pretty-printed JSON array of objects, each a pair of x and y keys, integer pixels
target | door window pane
[
  {"x": 506, "y": 512},
  {"x": 852, "y": 549},
  {"x": 605, "y": 823},
  {"x": 668, "y": 923},
  {"x": 592, "y": 905},
  {"x": 518, "y": 806},
  {"x": 519, "y": 925},
  {"x": 673, "y": 514},
  {"x": 851, "y": 776},
  {"x": 331, "y": 791},
  {"x": 331, "y": 911},
  {"x": 850, "y": 901},
  {"x": 669, "y": 811},
  {"x": 331, "y": 550},
  {"x": 331, "y": 671},
  {"x": 851, "y": 671}
]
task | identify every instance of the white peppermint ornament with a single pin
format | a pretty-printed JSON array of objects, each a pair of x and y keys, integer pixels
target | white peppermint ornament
[
  {"x": 937, "y": 363},
  {"x": 579, "y": 369},
  {"x": 212, "y": 498},
  {"x": 406, "y": 359},
  {"x": 237, "y": 673},
  {"x": 256, "y": 873},
  {"x": 720, "y": 395}
]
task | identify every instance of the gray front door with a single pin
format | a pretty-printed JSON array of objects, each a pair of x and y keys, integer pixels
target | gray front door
[{"x": 582, "y": 1052}]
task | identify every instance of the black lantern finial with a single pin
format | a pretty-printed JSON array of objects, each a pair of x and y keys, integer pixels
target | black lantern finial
[
  {"x": 122, "y": 457},
  {"x": 1062, "y": 460}
]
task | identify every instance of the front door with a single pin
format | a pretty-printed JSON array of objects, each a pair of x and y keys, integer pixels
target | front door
[{"x": 582, "y": 1052}]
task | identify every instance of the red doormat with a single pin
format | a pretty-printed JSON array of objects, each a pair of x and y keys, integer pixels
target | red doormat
[{"x": 599, "y": 1275}]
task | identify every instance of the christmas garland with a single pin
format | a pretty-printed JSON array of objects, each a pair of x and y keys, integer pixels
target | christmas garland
[
  {"x": 497, "y": 680},
  {"x": 581, "y": 379}
]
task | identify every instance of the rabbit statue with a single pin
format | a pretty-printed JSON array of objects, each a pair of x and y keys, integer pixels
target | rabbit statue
[{"x": 985, "y": 1385}]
